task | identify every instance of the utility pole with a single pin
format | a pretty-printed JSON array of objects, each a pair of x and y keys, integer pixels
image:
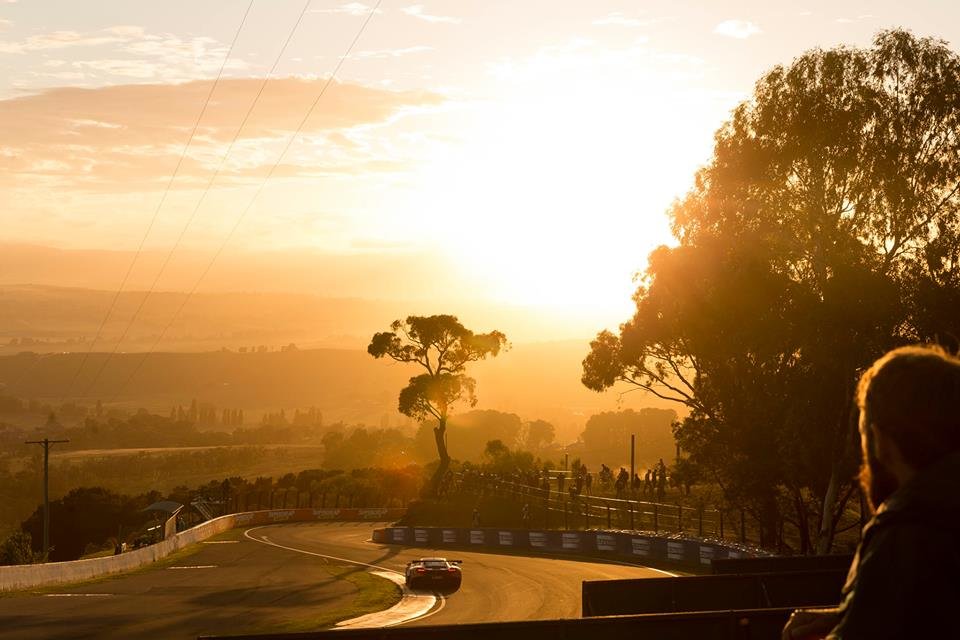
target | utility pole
[
  {"x": 633, "y": 449},
  {"x": 45, "y": 443}
]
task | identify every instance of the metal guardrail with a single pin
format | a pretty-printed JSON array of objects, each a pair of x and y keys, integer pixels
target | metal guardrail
[{"x": 586, "y": 511}]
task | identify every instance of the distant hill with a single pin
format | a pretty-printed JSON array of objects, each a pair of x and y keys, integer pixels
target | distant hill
[
  {"x": 46, "y": 318},
  {"x": 532, "y": 380}
]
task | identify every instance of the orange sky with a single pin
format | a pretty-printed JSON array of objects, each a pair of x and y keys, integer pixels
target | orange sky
[{"x": 526, "y": 149}]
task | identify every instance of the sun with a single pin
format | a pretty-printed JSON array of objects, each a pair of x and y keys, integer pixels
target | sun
[{"x": 549, "y": 202}]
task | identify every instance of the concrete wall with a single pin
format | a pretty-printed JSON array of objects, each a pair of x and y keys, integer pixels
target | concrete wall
[{"x": 28, "y": 576}]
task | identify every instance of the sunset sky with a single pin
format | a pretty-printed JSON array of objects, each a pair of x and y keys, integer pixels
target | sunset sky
[{"x": 525, "y": 150}]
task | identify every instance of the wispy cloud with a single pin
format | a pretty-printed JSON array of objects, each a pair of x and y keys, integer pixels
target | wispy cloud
[
  {"x": 392, "y": 53},
  {"x": 416, "y": 11},
  {"x": 59, "y": 40},
  {"x": 110, "y": 137},
  {"x": 125, "y": 51},
  {"x": 865, "y": 16},
  {"x": 740, "y": 29},
  {"x": 619, "y": 19},
  {"x": 350, "y": 8}
]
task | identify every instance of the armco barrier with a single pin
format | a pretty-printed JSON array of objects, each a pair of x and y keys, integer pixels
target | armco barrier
[
  {"x": 765, "y": 624},
  {"x": 604, "y": 544},
  {"x": 27, "y": 576},
  {"x": 712, "y": 593}
]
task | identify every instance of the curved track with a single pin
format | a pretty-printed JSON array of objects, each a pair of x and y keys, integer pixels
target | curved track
[{"x": 243, "y": 586}]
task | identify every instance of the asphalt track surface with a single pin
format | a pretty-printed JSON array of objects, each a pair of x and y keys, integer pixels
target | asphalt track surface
[{"x": 245, "y": 586}]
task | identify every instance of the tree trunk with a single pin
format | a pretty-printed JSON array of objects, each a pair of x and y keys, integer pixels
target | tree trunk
[
  {"x": 828, "y": 514},
  {"x": 825, "y": 535},
  {"x": 439, "y": 435}
]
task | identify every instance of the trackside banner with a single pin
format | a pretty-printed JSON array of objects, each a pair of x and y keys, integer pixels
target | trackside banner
[{"x": 607, "y": 544}]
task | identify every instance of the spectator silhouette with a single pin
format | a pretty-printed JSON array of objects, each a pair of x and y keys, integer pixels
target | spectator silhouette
[{"x": 903, "y": 580}]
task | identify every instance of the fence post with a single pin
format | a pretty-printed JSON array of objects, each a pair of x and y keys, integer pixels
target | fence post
[
  {"x": 679, "y": 519},
  {"x": 656, "y": 517},
  {"x": 609, "y": 526},
  {"x": 546, "y": 513},
  {"x": 632, "y": 528},
  {"x": 700, "y": 518},
  {"x": 566, "y": 518},
  {"x": 743, "y": 527},
  {"x": 586, "y": 514},
  {"x": 720, "y": 511}
]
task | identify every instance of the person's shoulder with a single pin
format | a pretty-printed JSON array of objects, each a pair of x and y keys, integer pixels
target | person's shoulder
[{"x": 912, "y": 546}]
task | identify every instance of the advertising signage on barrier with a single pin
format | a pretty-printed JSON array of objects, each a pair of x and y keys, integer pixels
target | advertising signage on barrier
[
  {"x": 675, "y": 551},
  {"x": 399, "y": 535},
  {"x": 538, "y": 539},
  {"x": 449, "y": 536},
  {"x": 373, "y": 514},
  {"x": 606, "y": 542},
  {"x": 420, "y": 535},
  {"x": 326, "y": 514},
  {"x": 280, "y": 516},
  {"x": 570, "y": 541},
  {"x": 707, "y": 554},
  {"x": 476, "y": 537},
  {"x": 506, "y": 538},
  {"x": 640, "y": 547}
]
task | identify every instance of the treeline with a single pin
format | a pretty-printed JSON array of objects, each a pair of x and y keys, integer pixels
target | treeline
[{"x": 92, "y": 518}]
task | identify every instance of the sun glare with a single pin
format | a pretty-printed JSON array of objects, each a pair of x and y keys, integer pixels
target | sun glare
[{"x": 555, "y": 192}]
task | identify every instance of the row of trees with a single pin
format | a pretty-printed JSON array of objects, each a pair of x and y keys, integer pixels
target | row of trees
[
  {"x": 90, "y": 518},
  {"x": 825, "y": 230}
]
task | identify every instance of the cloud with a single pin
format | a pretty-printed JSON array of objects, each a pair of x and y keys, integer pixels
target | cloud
[
  {"x": 416, "y": 11},
  {"x": 101, "y": 137},
  {"x": 392, "y": 53},
  {"x": 4, "y": 23},
  {"x": 126, "y": 51},
  {"x": 865, "y": 16},
  {"x": 617, "y": 18},
  {"x": 350, "y": 8},
  {"x": 740, "y": 29},
  {"x": 58, "y": 40}
]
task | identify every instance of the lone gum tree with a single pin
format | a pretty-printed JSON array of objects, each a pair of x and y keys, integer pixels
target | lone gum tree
[{"x": 442, "y": 347}]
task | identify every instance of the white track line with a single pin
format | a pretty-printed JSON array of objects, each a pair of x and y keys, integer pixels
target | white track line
[{"x": 411, "y": 606}]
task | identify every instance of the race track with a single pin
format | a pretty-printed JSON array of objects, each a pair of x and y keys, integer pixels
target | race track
[{"x": 250, "y": 584}]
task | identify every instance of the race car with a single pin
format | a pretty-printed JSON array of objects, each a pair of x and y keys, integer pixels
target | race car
[{"x": 434, "y": 573}]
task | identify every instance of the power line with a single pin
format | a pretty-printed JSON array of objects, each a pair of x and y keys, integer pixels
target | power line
[
  {"x": 256, "y": 195},
  {"x": 156, "y": 213},
  {"x": 200, "y": 201}
]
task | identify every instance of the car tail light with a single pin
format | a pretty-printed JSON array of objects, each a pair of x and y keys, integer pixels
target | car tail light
[
  {"x": 452, "y": 570},
  {"x": 421, "y": 570}
]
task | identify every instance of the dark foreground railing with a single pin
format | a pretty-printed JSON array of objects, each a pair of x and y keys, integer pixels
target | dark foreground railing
[
  {"x": 763, "y": 624},
  {"x": 712, "y": 593},
  {"x": 782, "y": 564}
]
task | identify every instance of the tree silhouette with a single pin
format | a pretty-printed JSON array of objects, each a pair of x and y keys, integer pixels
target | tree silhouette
[
  {"x": 442, "y": 347},
  {"x": 823, "y": 231}
]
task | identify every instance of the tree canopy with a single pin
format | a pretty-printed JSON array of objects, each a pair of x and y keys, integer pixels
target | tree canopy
[
  {"x": 823, "y": 231},
  {"x": 442, "y": 347}
]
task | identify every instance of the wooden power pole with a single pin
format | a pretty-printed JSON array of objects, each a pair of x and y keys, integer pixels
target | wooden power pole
[{"x": 45, "y": 443}]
